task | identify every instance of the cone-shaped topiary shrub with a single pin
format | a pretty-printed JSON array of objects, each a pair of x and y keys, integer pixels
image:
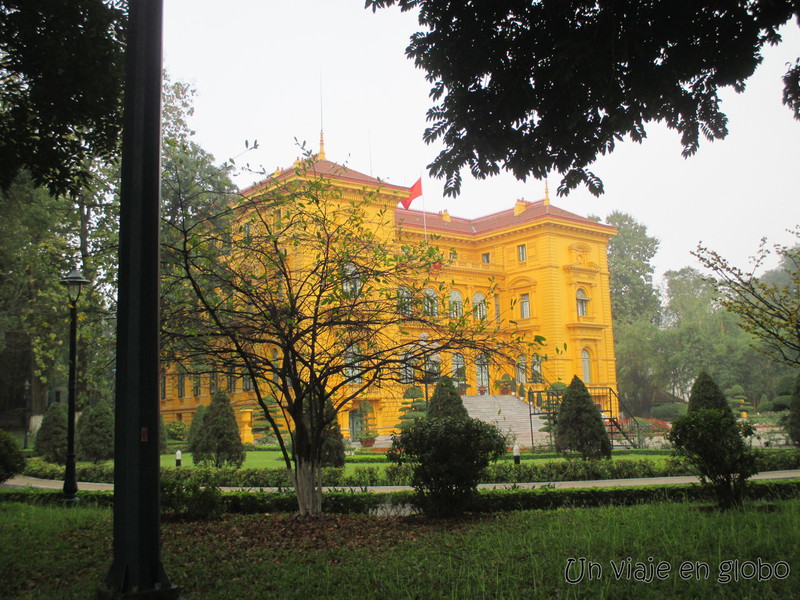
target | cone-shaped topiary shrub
[
  {"x": 579, "y": 426},
  {"x": 706, "y": 394},
  {"x": 446, "y": 401},
  {"x": 94, "y": 433},
  {"x": 51, "y": 439},
  {"x": 218, "y": 443}
]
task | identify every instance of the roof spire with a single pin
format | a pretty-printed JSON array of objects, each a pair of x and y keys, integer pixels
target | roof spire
[
  {"x": 321, "y": 155},
  {"x": 546, "y": 193}
]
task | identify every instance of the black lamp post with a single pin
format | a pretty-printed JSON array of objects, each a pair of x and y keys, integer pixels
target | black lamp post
[
  {"x": 27, "y": 411},
  {"x": 74, "y": 281}
]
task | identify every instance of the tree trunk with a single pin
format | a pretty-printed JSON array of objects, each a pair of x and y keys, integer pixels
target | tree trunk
[{"x": 307, "y": 479}]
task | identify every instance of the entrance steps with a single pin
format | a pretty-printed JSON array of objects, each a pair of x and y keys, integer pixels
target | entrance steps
[{"x": 511, "y": 415}]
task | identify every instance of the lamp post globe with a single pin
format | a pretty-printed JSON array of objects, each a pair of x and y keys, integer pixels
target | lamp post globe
[{"x": 74, "y": 281}]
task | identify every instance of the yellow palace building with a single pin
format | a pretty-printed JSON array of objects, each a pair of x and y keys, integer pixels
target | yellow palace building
[{"x": 547, "y": 271}]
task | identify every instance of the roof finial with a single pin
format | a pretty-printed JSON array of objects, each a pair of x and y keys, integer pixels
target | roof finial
[
  {"x": 546, "y": 193},
  {"x": 321, "y": 155}
]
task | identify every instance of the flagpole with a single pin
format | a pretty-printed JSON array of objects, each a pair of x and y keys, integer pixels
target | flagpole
[{"x": 424, "y": 215}]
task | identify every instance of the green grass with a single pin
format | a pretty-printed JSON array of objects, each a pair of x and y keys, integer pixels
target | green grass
[
  {"x": 58, "y": 553},
  {"x": 273, "y": 459}
]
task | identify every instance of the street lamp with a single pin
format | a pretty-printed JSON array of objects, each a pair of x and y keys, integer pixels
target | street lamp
[
  {"x": 74, "y": 281},
  {"x": 27, "y": 412}
]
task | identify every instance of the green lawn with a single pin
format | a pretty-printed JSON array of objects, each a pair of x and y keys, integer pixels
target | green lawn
[
  {"x": 54, "y": 553},
  {"x": 268, "y": 459}
]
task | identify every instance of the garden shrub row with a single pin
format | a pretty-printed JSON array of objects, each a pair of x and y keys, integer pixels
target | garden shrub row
[
  {"x": 501, "y": 472},
  {"x": 195, "y": 502}
]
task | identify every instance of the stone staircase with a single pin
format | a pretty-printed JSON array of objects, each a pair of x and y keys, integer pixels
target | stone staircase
[{"x": 511, "y": 415}]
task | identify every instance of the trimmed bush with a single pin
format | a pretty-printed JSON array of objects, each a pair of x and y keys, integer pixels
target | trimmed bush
[
  {"x": 580, "y": 426},
  {"x": 446, "y": 401},
  {"x": 12, "y": 460},
  {"x": 189, "y": 500},
  {"x": 706, "y": 394},
  {"x": 194, "y": 428},
  {"x": 51, "y": 439},
  {"x": 792, "y": 423},
  {"x": 714, "y": 444},
  {"x": 669, "y": 412},
  {"x": 448, "y": 456},
  {"x": 218, "y": 443},
  {"x": 94, "y": 433},
  {"x": 177, "y": 430}
]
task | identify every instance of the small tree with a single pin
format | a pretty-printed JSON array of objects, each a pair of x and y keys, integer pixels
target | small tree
[
  {"x": 95, "y": 433},
  {"x": 793, "y": 418},
  {"x": 194, "y": 428},
  {"x": 448, "y": 456},
  {"x": 709, "y": 437},
  {"x": 714, "y": 444},
  {"x": 446, "y": 401},
  {"x": 218, "y": 442},
  {"x": 12, "y": 460},
  {"x": 177, "y": 430},
  {"x": 706, "y": 394},
  {"x": 579, "y": 426},
  {"x": 51, "y": 439},
  {"x": 414, "y": 408}
]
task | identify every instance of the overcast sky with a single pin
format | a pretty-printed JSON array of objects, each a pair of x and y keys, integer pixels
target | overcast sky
[{"x": 271, "y": 71}]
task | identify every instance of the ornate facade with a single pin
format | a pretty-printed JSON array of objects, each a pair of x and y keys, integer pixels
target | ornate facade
[{"x": 550, "y": 276}]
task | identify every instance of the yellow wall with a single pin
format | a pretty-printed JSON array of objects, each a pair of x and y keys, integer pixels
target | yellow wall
[{"x": 564, "y": 253}]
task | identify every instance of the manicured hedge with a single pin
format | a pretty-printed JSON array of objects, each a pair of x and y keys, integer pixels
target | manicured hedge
[
  {"x": 501, "y": 472},
  {"x": 210, "y": 503}
]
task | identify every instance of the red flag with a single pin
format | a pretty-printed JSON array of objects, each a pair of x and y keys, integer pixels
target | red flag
[{"x": 415, "y": 191}]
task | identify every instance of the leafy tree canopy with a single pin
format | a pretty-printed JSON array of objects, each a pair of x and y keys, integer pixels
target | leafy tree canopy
[
  {"x": 61, "y": 80},
  {"x": 537, "y": 86},
  {"x": 768, "y": 306}
]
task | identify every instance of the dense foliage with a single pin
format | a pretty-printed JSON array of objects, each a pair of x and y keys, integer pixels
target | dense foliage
[
  {"x": 61, "y": 81},
  {"x": 446, "y": 401},
  {"x": 51, "y": 439},
  {"x": 94, "y": 433},
  {"x": 583, "y": 75},
  {"x": 706, "y": 394},
  {"x": 579, "y": 425},
  {"x": 12, "y": 460},
  {"x": 217, "y": 442},
  {"x": 793, "y": 418},
  {"x": 714, "y": 443},
  {"x": 448, "y": 456}
]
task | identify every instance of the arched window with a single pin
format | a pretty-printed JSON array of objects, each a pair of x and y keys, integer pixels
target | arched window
[
  {"x": 404, "y": 301},
  {"x": 458, "y": 368},
  {"x": 586, "y": 361},
  {"x": 583, "y": 302},
  {"x": 522, "y": 369},
  {"x": 406, "y": 370},
  {"x": 351, "y": 280},
  {"x": 430, "y": 303},
  {"x": 479, "y": 306},
  {"x": 456, "y": 304},
  {"x": 482, "y": 373}
]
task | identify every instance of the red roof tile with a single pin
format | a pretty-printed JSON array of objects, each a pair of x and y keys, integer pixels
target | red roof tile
[{"x": 534, "y": 211}]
